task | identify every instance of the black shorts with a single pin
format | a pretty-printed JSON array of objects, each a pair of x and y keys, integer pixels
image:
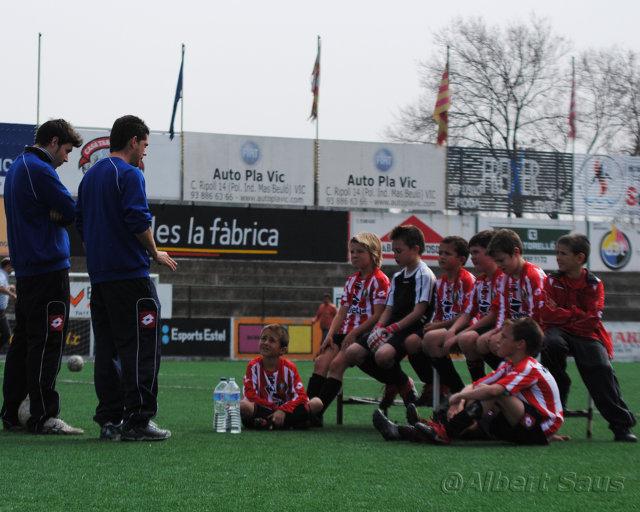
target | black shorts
[
  {"x": 527, "y": 431},
  {"x": 396, "y": 341}
]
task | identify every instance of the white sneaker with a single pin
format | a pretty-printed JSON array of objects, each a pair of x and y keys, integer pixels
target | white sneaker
[{"x": 59, "y": 427}]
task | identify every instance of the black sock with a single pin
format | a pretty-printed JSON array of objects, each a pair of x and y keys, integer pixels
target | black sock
[
  {"x": 370, "y": 367},
  {"x": 329, "y": 391},
  {"x": 422, "y": 366},
  {"x": 448, "y": 374},
  {"x": 316, "y": 382},
  {"x": 460, "y": 422},
  {"x": 476, "y": 369}
]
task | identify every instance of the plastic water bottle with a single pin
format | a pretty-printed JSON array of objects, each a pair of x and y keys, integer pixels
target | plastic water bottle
[
  {"x": 234, "y": 423},
  {"x": 219, "y": 406}
]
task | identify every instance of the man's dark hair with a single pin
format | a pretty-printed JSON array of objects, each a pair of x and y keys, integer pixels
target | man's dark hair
[
  {"x": 505, "y": 241},
  {"x": 409, "y": 235},
  {"x": 124, "y": 129},
  {"x": 527, "y": 329},
  {"x": 482, "y": 238},
  {"x": 57, "y": 128},
  {"x": 5, "y": 263},
  {"x": 459, "y": 244},
  {"x": 577, "y": 243}
]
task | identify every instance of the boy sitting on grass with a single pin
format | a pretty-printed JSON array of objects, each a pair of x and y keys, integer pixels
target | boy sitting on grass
[
  {"x": 519, "y": 402},
  {"x": 274, "y": 396},
  {"x": 572, "y": 321}
]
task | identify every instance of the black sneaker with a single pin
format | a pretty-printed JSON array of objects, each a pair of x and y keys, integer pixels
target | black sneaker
[
  {"x": 386, "y": 427},
  {"x": 148, "y": 432},
  {"x": 262, "y": 424},
  {"x": 110, "y": 432},
  {"x": 412, "y": 414},
  {"x": 624, "y": 435}
]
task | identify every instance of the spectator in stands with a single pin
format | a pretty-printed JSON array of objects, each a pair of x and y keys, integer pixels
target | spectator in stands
[
  {"x": 325, "y": 315},
  {"x": 6, "y": 290}
]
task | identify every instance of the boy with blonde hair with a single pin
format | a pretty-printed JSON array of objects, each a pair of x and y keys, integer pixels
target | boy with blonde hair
[
  {"x": 361, "y": 305},
  {"x": 407, "y": 310}
]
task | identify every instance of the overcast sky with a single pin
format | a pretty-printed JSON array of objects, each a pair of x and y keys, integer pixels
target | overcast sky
[{"x": 248, "y": 63}]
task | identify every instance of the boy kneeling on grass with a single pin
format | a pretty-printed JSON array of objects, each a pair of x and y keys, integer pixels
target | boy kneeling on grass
[
  {"x": 274, "y": 396},
  {"x": 519, "y": 402}
]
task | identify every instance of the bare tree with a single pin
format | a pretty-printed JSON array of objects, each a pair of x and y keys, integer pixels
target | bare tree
[
  {"x": 507, "y": 87},
  {"x": 600, "y": 97}
]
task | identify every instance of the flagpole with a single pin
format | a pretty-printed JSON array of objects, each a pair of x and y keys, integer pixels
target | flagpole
[
  {"x": 316, "y": 144},
  {"x": 182, "y": 133},
  {"x": 572, "y": 122},
  {"x": 38, "y": 88}
]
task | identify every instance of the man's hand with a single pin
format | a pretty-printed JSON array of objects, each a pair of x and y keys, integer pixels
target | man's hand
[{"x": 164, "y": 259}]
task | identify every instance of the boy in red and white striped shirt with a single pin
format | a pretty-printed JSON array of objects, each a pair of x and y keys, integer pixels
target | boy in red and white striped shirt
[
  {"x": 519, "y": 402},
  {"x": 274, "y": 396}
]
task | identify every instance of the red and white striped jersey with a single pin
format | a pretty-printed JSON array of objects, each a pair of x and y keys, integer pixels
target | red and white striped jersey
[
  {"x": 533, "y": 384},
  {"x": 281, "y": 389},
  {"x": 452, "y": 298},
  {"x": 517, "y": 298},
  {"x": 482, "y": 295},
  {"x": 360, "y": 295}
]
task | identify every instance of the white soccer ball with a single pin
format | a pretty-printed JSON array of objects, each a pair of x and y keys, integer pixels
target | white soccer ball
[
  {"x": 75, "y": 363},
  {"x": 24, "y": 413}
]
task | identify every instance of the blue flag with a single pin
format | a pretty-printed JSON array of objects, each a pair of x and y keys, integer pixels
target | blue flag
[{"x": 177, "y": 98}]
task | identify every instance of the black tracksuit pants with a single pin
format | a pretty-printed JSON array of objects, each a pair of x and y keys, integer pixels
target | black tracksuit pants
[
  {"x": 33, "y": 358},
  {"x": 126, "y": 325}
]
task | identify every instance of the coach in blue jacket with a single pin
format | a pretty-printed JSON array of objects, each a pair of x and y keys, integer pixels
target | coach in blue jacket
[
  {"x": 38, "y": 207},
  {"x": 112, "y": 216}
]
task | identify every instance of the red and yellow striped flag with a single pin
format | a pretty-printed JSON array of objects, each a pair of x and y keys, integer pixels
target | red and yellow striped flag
[{"x": 443, "y": 103}]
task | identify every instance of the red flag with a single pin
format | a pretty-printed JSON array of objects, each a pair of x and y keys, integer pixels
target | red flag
[
  {"x": 572, "y": 105},
  {"x": 443, "y": 103},
  {"x": 315, "y": 85}
]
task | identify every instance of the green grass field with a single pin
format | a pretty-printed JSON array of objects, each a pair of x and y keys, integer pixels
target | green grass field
[{"x": 337, "y": 468}]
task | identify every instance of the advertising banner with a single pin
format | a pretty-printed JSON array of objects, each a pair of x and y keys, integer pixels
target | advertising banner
[
  {"x": 538, "y": 236},
  {"x": 304, "y": 337},
  {"x": 607, "y": 185},
  {"x": 370, "y": 175},
  {"x": 626, "y": 340},
  {"x": 248, "y": 170},
  {"x": 250, "y": 233},
  {"x": 161, "y": 166},
  {"x": 615, "y": 246},
  {"x": 196, "y": 337},
  {"x": 483, "y": 180},
  {"x": 434, "y": 227},
  {"x": 13, "y": 139}
]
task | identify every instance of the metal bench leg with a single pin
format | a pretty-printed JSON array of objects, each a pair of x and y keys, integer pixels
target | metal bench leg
[{"x": 436, "y": 389}]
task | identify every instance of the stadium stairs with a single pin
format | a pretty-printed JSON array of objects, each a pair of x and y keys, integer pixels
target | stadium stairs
[{"x": 224, "y": 288}]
